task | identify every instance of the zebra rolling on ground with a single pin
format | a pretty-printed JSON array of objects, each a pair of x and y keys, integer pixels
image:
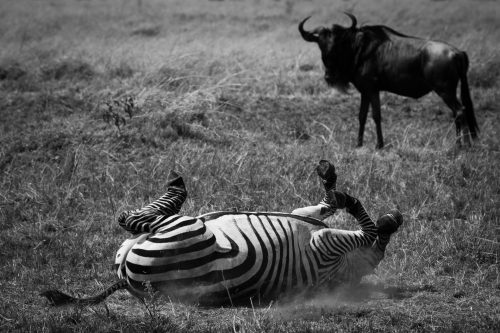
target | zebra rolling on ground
[{"x": 228, "y": 258}]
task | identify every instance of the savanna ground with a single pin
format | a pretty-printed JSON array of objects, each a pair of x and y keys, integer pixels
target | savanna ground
[{"x": 229, "y": 94}]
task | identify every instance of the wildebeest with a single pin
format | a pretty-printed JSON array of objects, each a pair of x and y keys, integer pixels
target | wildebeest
[{"x": 377, "y": 58}]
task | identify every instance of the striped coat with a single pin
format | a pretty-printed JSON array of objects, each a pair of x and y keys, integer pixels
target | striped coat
[{"x": 228, "y": 257}]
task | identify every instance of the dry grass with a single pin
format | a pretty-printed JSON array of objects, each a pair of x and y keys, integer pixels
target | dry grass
[{"x": 229, "y": 94}]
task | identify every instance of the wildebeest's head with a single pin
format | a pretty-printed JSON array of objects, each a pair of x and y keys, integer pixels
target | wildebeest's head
[{"x": 337, "y": 50}]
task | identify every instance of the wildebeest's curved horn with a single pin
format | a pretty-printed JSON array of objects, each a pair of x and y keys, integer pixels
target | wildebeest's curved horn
[
  {"x": 353, "y": 19},
  {"x": 308, "y": 36}
]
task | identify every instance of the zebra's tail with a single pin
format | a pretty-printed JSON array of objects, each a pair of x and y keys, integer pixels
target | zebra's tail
[{"x": 57, "y": 298}]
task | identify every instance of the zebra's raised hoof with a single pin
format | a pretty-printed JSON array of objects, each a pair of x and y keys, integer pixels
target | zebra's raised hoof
[
  {"x": 326, "y": 171},
  {"x": 390, "y": 222},
  {"x": 175, "y": 180}
]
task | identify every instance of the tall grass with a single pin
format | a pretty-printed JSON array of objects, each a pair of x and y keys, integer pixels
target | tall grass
[{"x": 228, "y": 94}]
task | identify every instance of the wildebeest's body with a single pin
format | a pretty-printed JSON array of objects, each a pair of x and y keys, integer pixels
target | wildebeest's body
[
  {"x": 378, "y": 58},
  {"x": 410, "y": 69}
]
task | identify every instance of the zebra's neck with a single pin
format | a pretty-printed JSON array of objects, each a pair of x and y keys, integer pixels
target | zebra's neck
[{"x": 322, "y": 242}]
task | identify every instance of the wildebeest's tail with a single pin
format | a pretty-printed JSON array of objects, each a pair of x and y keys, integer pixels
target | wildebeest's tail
[
  {"x": 463, "y": 65},
  {"x": 57, "y": 298}
]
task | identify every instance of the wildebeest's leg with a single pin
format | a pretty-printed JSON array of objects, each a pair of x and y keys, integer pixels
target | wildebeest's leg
[
  {"x": 451, "y": 100},
  {"x": 363, "y": 113},
  {"x": 469, "y": 116},
  {"x": 375, "y": 102}
]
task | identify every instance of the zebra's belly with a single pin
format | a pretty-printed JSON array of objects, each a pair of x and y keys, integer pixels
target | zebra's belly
[{"x": 236, "y": 257}]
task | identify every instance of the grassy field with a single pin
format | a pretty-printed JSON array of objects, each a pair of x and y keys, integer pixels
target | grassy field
[{"x": 229, "y": 94}]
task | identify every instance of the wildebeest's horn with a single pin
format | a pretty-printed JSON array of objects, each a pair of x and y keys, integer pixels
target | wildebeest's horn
[
  {"x": 308, "y": 36},
  {"x": 353, "y": 19}
]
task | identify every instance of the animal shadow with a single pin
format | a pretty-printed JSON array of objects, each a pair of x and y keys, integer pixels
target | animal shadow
[{"x": 369, "y": 291}]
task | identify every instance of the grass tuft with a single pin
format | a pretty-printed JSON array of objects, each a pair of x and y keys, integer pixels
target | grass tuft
[
  {"x": 147, "y": 31},
  {"x": 11, "y": 70}
]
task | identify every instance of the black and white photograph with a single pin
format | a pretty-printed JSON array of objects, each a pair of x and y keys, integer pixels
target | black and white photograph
[{"x": 250, "y": 166}]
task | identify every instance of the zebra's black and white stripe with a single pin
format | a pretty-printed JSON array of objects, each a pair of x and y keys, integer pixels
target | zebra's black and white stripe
[{"x": 229, "y": 257}]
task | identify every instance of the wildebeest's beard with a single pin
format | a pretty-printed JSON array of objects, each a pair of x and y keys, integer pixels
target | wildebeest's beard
[
  {"x": 337, "y": 80},
  {"x": 338, "y": 73}
]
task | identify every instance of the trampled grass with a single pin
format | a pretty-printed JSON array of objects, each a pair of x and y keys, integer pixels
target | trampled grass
[{"x": 229, "y": 94}]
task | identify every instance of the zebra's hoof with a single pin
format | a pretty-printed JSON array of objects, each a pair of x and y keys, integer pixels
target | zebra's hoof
[
  {"x": 175, "y": 180},
  {"x": 326, "y": 171},
  {"x": 390, "y": 222}
]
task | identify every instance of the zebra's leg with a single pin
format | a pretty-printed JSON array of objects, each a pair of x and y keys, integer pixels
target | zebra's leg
[
  {"x": 332, "y": 200},
  {"x": 140, "y": 220},
  {"x": 363, "y": 261},
  {"x": 387, "y": 224},
  {"x": 319, "y": 212},
  {"x": 171, "y": 202},
  {"x": 328, "y": 205},
  {"x": 326, "y": 172},
  {"x": 323, "y": 210}
]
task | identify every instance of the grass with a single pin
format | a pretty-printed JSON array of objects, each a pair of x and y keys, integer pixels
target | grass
[{"x": 229, "y": 94}]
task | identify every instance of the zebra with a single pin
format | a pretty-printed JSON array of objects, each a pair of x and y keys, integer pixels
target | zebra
[{"x": 229, "y": 258}]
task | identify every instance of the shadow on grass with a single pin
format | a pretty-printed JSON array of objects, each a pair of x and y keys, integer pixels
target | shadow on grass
[
  {"x": 368, "y": 291},
  {"x": 341, "y": 295}
]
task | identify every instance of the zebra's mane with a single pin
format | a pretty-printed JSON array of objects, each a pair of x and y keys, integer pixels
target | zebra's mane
[{"x": 214, "y": 215}]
